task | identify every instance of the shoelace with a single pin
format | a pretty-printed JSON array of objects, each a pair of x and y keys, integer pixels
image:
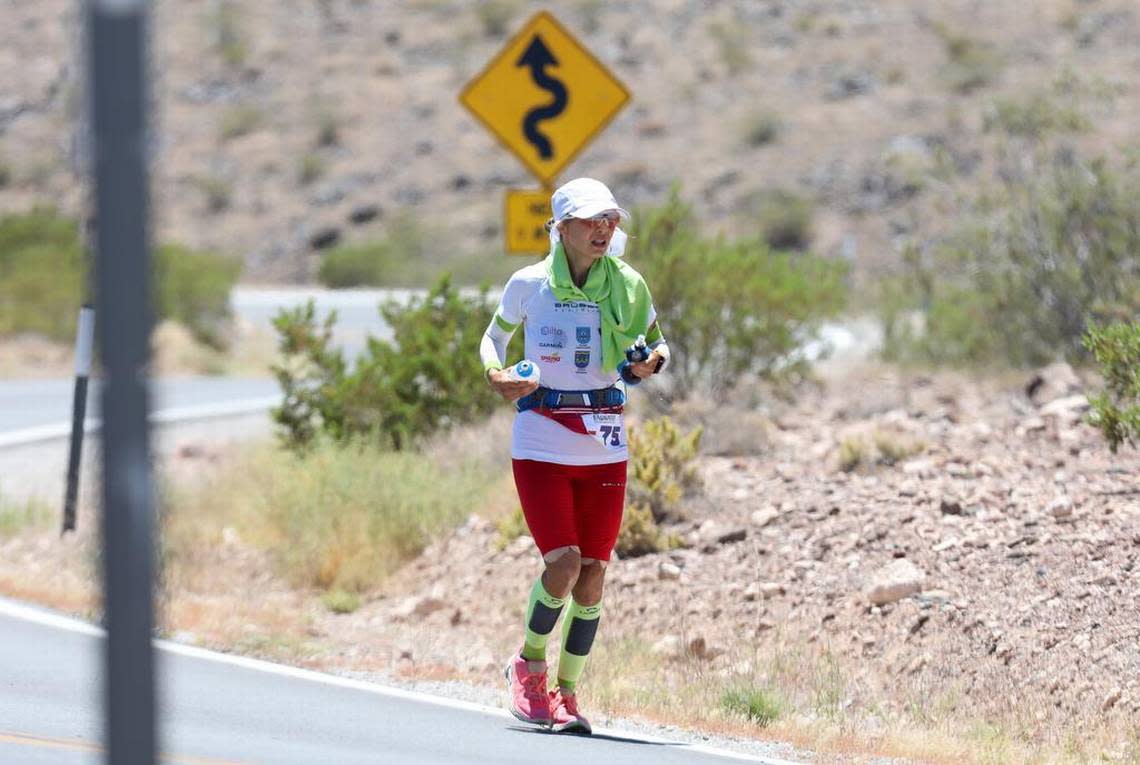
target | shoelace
[
  {"x": 534, "y": 685},
  {"x": 570, "y": 704}
]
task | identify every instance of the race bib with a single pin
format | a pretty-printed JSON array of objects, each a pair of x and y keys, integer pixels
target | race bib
[{"x": 607, "y": 429}]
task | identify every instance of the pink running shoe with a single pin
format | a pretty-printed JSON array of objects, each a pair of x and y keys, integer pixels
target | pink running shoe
[
  {"x": 526, "y": 683},
  {"x": 564, "y": 711}
]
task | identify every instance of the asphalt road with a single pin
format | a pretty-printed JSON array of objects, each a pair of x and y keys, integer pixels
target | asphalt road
[
  {"x": 27, "y": 404},
  {"x": 217, "y": 709}
]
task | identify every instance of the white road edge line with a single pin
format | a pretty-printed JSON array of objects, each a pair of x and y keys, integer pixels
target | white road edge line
[
  {"x": 16, "y": 610},
  {"x": 170, "y": 416}
]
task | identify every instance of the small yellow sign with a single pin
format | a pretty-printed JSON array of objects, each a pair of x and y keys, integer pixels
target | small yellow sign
[
  {"x": 526, "y": 214},
  {"x": 544, "y": 97}
]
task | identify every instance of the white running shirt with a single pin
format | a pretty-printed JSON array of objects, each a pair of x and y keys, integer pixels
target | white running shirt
[{"x": 564, "y": 340}]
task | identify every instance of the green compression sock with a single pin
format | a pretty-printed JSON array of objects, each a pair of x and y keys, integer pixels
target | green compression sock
[
  {"x": 542, "y": 612},
  {"x": 578, "y": 630}
]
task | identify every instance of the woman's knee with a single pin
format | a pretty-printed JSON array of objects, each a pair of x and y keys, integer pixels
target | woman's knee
[
  {"x": 591, "y": 582},
  {"x": 562, "y": 570}
]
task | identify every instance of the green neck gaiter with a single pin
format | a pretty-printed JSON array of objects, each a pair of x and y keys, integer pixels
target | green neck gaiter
[{"x": 622, "y": 297}]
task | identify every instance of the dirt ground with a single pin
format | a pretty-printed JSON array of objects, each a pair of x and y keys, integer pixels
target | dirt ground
[{"x": 947, "y": 552}]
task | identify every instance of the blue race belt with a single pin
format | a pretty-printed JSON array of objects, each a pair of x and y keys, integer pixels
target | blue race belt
[{"x": 547, "y": 398}]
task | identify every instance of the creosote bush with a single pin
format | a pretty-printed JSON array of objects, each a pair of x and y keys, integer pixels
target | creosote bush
[
  {"x": 42, "y": 273},
  {"x": 406, "y": 256},
  {"x": 971, "y": 63},
  {"x": 427, "y": 379},
  {"x": 730, "y": 308},
  {"x": 1028, "y": 266},
  {"x": 1116, "y": 410}
]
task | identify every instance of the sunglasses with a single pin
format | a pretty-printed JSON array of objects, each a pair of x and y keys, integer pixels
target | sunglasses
[{"x": 609, "y": 217}]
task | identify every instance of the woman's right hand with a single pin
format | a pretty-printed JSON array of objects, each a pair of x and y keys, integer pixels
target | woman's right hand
[{"x": 511, "y": 390}]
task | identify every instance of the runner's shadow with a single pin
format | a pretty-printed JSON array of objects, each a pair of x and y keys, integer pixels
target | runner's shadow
[{"x": 598, "y": 736}]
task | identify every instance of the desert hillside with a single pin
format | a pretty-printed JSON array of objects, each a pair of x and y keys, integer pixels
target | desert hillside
[{"x": 283, "y": 126}]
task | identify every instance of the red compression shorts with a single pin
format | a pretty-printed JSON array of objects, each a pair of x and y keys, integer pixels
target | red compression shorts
[{"x": 578, "y": 505}]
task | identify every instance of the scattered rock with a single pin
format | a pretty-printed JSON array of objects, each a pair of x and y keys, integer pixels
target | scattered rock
[
  {"x": 1111, "y": 699},
  {"x": 364, "y": 213},
  {"x": 897, "y": 580},
  {"x": 668, "y": 647},
  {"x": 417, "y": 605},
  {"x": 325, "y": 237},
  {"x": 1061, "y": 508},
  {"x": 1052, "y": 382},
  {"x": 762, "y": 518},
  {"x": 668, "y": 571}
]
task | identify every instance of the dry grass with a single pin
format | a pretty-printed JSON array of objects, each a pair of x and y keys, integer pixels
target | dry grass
[
  {"x": 802, "y": 695},
  {"x": 337, "y": 517}
]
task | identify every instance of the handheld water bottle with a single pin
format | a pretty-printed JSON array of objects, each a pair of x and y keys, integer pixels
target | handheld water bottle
[
  {"x": 524, "y": 371},
  {"x": 639, "y": 351}
]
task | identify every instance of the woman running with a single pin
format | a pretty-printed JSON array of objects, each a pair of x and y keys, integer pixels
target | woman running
[{"x": 580, "y": 309}]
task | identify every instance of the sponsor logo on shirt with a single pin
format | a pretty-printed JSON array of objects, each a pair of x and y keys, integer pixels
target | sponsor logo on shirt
[
  {"x": 582, "y": 359},
  {"x": 575, "y": 306},
  {"x": 583, "y": 335},
  {"x": 553, "y": 358},
  {"x": 549, "y": 331},
  {"x": 551, "y": 344}
]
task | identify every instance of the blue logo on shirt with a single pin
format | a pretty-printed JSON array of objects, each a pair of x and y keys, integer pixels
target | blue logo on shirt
[
  {"x": 583, "y": 335},
  {"x": 581, "y": 359}
]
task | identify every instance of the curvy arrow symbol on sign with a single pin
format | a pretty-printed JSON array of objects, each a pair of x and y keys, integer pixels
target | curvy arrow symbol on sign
[{"x": 537, "y": 57}]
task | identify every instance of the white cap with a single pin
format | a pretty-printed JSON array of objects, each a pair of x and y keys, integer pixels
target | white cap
[{"x": 583, "y": 198}]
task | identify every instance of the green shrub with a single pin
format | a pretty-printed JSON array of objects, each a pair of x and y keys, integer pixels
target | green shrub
[
  {"x": 784, "y": 219},
  {"x": 510, "y": 528},
  {"x": 757, "y": 705},
  {"x": 852, "y": 454},
  {"x": 405, "y": 257},
  {"x": 662, "y": 472},
  {"x": 41, "y": 277},
  {"x": 427, "y": 379},
  {"x": 1116, "y": 411},
  {"x": 1034, "y": 116},
  {"x": 241, "y": 120},
  {"x": 328, "y": 128},
  {"x": 355, "y": 265},
  {"x": 41, "y": 274},
  {"x": 590, "y": 13},
  {"x": 310, "y": 167},
  {"x": 227, "y": 30},
  {"x": 1025, "y": 270},
  {"x": 341, "y": 601},
  {"x": 218, "y": 192},
  {"x": 193, "y": 288},
  {"x": 495, "y": 15},
  {"x": 971, "y": 64},
  {"x": 733, "y": 46},
  {"x": 640, "y": 534},
  {"x": 730, "y": 308},
  {"x": 662, "y": 465},
  {"x": 761, "y": 128},
  {"x": 18, "y": 515}
]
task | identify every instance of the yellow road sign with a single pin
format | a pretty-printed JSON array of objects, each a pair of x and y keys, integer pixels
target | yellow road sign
[
  {"x": 526, "y": 214},
  {"x": 544, "y": 96}
]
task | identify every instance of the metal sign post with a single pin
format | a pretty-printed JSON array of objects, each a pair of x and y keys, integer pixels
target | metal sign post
[{"x": 117, "y": 66}]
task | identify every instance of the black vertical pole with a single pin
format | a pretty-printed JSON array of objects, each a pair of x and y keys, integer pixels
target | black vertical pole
[
  {"x": 84, "y": 339},
  {"x": 117, "y": 63}
]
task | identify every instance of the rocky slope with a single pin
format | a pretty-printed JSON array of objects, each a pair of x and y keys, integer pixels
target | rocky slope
[
  {"x": 283, "y": 127},
  {"x": 896, "y": 553}
]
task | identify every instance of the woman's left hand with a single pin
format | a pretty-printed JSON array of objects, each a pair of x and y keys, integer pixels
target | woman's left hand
[{"x": 646, "y": 368}]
